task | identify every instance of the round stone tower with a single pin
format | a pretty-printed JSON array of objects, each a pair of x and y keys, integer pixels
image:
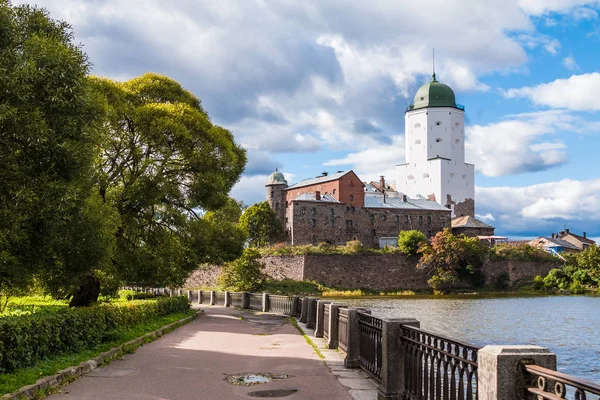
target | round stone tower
[{"x": 276, "y": 195}]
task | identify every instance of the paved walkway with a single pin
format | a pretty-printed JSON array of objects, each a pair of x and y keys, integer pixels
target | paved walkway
[{"x": 192, "y": 362}]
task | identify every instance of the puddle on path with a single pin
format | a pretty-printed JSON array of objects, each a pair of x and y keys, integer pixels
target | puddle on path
[{"x": 253, "y": 378}]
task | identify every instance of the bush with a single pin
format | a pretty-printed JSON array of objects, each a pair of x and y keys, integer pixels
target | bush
[
  {"x": 27, "y": 339},
  {"x": 410, "y": 241},
  {"x": 522, "y": 252},
  {"x": 243, "y": 274},
  {"x": 133, "y": 295},
  {"x": 353, "y": 247}
]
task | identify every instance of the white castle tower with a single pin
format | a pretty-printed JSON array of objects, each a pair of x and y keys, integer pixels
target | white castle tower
[{"x": 435, "y": 165}]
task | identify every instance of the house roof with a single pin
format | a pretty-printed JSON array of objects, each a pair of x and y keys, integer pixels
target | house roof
[
  {"x": 376, "y": 201},
  {"x": 320, "y": 179},
  {"x": 467, "y": 221},
  {"x": 580, "y": 238},
  {"x": 311, "y": 197},
  {"x": 558, "y": 242}
]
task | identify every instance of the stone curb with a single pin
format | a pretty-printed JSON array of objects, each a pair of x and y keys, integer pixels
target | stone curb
[{"x": 70, "y": 374}]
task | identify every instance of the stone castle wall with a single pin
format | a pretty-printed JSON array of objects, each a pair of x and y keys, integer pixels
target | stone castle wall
[{"x": 367, "y": 271}]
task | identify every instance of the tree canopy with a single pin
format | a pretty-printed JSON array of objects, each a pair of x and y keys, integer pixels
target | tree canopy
[
  {"x": 410, "y": 241},
  {"x": 50, "y": 224},
  {"x": 162, "y": 163},
  {"x": 261, "y": 224}
]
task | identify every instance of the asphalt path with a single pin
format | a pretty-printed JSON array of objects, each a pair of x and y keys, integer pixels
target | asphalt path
[{"x": 193, "y": 361}]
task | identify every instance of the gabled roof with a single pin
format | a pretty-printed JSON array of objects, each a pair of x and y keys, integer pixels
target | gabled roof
[
  {"x": 580, "y": 238},
  {"x": 559, "y": 242},
  {"x": 376, "y": 201},
  {"x": 311, "y": 197},
  {"x": 467, "y": 221},
  {"x": 321, "y": 179}
]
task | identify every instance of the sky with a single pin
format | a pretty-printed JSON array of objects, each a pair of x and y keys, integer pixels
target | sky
[{"x": 321, "y": 85}]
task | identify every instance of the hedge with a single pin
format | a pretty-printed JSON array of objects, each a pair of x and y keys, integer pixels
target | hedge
[{"x": 26, "y": 339}]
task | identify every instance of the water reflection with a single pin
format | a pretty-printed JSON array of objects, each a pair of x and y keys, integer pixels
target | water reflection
[{"x": 569, "y": 325}]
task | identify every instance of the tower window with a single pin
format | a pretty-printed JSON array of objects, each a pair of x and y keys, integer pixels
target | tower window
[
  {"x": 277, "y": 206},
  {"x": 457, "y": 141},
  {"x": 438, "y": 140},
  {"x": 314, "y": 210},
  {"x": 334, "y": 191},
  {"x": 438, "y": 123},
  {"x": 417, "y": 142},
  {"x": 457, "y": 124},
  {"x": 272, "y": 193},
  {"x": 397, "y": 219},
  {"x": 351, "y": 197},
  {"x": 303, "y": 210},
  {"x": 417, "y": 125},
  {"x": 420, "y": 220},
  {"x": 383, "y": 217},
  {"x": 410, "y": 177},
  {"x": 428, "y": 220},
  {"x": 425, "y": 175}
]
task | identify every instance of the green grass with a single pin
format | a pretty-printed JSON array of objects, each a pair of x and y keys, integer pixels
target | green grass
[
  {"x": 26, "y": 376},
  {"x": 32, "y": 304},
  {"x": 310, "y": 342}
]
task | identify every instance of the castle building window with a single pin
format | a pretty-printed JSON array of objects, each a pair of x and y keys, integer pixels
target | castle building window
[
  {"x": 420, "y": 220},
  {"x": 277, "y": 206},
  {"x": 334, "y": 191},
  {"x": 373, "y": 232},
  {"x": 347, "y": 208},
  {"x": 351, "y": 198},
  {"x": 428, "y": 220},
  {"x": 314, "y": 222},
  {"x": 303, "y": 210},
  {"x": 332, "y": 211},
  {"x": 272, "y": 193},
  {"x": 438, "y": 140},
  {"x": 372, "y": 217},
  {"x": 352, "y": 208},
  {"x": 383, "y": 217},
  {"x": 438, "y": 123},
  {"x": 349, "y": 223},
  {"x": 332, "y": 221},
  {"x": 314, "y": 210},
  {"x": 397, "y": 219},
  {"x": 429, "y": 233},
  {"x": 406, "y": 217}
]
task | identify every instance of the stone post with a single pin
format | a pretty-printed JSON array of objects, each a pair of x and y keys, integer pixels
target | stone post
[
  {"x": 304, "y": 311},
  {"x": 245, "y": 300},
  {"x": 189, "y": 295},
  {"x": 227, "y": 299},
  {"x": 320, "y": 317},
  {"x": 334, "y": 310},
  {"x": 353, "y": 335},
  {"x": 499, "y": 373},
  {"x": 213, "y": 297},
  {"x": 265, "y": 302},
  {"x": 294, "y": 306},
  {"x": 310, "y": 318},
  {"x": 392, "y": 361},
  {"x": 200, "y": 296}
]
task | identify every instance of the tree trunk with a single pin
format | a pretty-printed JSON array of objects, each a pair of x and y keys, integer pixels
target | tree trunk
[{"x": 87, "y": 293}]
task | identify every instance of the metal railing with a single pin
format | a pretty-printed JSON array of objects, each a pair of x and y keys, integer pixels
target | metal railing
[
  {"x": 370, "y": 344},
  {"x": 236, "y": 299},
  {"x": 343, "y": 330},
  {"x": 256, "y": 301},
  {"x": 437, "y": 367},
  {"x": 326, "y": 325},
  {"x": 545, "y": 383},
  {"x": 220, "y": 298},
  {"x": 280, "y": 304}
]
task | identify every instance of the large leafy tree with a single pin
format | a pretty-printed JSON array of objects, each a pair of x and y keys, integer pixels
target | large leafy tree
[
  {"x": 50, "y": 225},
  {"x": 261, "y": 224},
  {"x": 164, "y": 164}
]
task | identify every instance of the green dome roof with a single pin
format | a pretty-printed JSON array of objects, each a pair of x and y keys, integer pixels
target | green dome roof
[
  {"x": 276, "y": 178},
  {"x": 434, "y": 94}
]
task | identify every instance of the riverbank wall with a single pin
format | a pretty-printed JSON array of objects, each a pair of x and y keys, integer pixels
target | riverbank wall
[{"x": 370, "y": 271}]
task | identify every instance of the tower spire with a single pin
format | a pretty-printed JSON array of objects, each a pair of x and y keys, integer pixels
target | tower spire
[{"x": 433, "y": 62}]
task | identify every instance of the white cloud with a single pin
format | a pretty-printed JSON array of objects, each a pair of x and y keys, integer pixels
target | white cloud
[
  {"x": 539, "y": 7},
  {"x": 585, "y": 13},
  {"x": 570, "y": 63},
  {"x": 579, "y": 92},
  {"x": 534, "y": 40},
  {"x": 518, "y": 143},
  {"x": 485, "y": 217},
  {"x": 543, "y": 208}
]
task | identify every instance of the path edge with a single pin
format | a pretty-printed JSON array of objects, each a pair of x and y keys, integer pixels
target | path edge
[{"x": 67, "y": 375}]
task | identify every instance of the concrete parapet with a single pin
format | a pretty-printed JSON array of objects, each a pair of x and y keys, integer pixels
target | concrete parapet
[
  {"x": 245, "y": 300},
  {"x": 227, "y": 299},
  {"x": 499, "y": 373},
  {"x": 304, "y": 311},
  {"x": 392, "y": 362},
  {"x": 333, "y": 323},
  {"x": 265, "y": 302},
  {"x": 320, "y": 317},
  {"x": 213, "y": 297}
]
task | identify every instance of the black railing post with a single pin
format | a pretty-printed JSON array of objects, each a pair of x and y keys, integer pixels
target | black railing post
[
  {"x": 500, "y": 374},
  {"x": 320, "y": 317},
  {"x": 392, "y": 360}
]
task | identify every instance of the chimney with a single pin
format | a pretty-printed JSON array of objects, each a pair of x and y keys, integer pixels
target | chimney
[
  {"x": 553, "y": 235},
  {"x": 404, "y": 199},
  {"x": 585, "y": 234},
  {"x": 317, "y": 195},
  {"x": 325, "y": 173},
  {"x": 567, "y": 230},
  {"x": 382, "y": 182}
]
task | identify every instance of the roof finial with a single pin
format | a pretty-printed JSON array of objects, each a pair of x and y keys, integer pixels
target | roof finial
[
  {"x": 276, "y": 170},
  {"x": 434, "y": 63}
]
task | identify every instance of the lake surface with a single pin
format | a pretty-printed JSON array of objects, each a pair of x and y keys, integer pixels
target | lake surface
[{"x": 567, "y": 325}]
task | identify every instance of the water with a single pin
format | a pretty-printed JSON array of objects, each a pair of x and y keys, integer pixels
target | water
[{"x": 567, "y": 325}]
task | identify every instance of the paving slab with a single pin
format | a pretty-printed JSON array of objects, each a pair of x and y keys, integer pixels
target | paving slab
[{"x": 191, "y": 363}]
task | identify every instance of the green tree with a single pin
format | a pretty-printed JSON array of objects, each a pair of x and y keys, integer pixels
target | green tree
[
  {"x": 163, "y": 163},
  {"x": 261, "y": 224},
  {"x": 244, "y": 274},
  {"x": 410, "y": 241},
  {"x": 51, "y": 226},
  {"x": 451, "y": 259}
]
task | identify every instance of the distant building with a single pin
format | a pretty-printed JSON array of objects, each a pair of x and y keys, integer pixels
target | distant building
[
  {"x": 553, "y": 245},
  {"x": 471, "y": 226},
  {"x": 581, "y": 242}
]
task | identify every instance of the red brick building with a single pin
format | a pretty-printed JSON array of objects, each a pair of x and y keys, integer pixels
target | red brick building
[{"x": 338, "y": 208}]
